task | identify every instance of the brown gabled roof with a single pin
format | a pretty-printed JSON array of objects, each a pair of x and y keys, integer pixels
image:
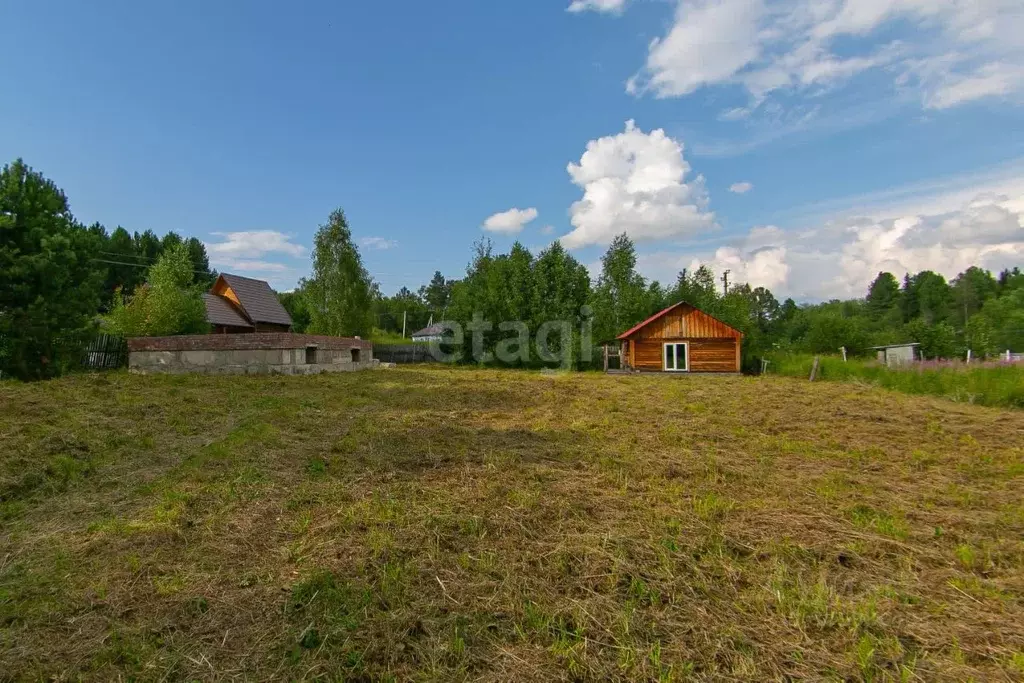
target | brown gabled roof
[
  {"x": 220, "y": 311},
  {"x": 662, "y": 312},
  {"x": 258, "y": 301}
]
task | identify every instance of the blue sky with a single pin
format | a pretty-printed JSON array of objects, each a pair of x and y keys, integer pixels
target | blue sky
[{"x": 872, "y": 133}]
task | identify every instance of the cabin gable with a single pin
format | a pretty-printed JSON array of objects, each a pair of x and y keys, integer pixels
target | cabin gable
[{"x": 685, "y": 322}]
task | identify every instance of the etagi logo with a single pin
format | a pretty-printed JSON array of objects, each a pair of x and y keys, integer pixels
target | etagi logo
[{"x": 553, "y": 342}]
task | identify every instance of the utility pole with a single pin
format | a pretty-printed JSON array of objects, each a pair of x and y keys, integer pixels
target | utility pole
[
  {"x": 725, "y": 282},
  {"x": 404, "y": 314}
]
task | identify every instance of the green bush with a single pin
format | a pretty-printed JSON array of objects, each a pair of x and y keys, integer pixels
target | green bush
[{"x": 168, "y": 303}]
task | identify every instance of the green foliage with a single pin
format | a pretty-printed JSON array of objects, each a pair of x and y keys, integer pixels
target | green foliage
[
  {"x": 1005, "y": 318},
  {"x": 339, "y": 292},
  {"x": 127, "y": 259},
  {"x": 169, "y": 303},
  {"x": 49, "y": 281},
  {"x": 437, "y": 293},
  {"x": 295, "y": 303},
  {"x": 519, "y": 288},
  {"x": 621, "y": 297},
  {"x": 937, "y": 341},
  {"x": 827, "y": 333},
  {"x": 883, "y": 296}
]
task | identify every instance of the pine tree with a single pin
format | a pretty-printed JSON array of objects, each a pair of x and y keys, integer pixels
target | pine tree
[
  {"x": 50, "y": 281},
  {"x": 883, "y": 295}
]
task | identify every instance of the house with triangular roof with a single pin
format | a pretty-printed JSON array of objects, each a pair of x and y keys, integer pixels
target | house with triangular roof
[
  {"x": 237, "y": 304},
  {"x": 681, "y": 338}
]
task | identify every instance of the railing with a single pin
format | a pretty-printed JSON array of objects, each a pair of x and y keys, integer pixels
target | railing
[{"x": 105, "y": 352}]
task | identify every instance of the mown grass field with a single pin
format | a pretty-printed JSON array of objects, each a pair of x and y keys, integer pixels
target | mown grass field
[{"x": 448, "y": 524}]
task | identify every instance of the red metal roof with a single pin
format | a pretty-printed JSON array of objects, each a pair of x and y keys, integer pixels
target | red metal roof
[{"x": 657, "y": 315}]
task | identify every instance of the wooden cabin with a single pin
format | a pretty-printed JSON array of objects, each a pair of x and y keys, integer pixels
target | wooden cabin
[
  {"x": 681, "y": 338},
  {"x": 237, "y": 304}
]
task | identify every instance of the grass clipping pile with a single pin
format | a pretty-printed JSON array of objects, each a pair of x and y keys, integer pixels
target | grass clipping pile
[{"x": 462, "y": 524}]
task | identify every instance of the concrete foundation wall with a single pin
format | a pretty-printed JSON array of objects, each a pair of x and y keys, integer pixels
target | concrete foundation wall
[{"x": 261, "y": 354}]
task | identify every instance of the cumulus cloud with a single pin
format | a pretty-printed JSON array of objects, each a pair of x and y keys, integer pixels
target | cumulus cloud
[
  {"x": 839, "y": 259},
  {"x": 249, "y": 252},
  {"x": 252, "y": 244},
  {"x": 635, "y": 182},
  {"x": 740, "y": 188},
  {"x": 948, "y": 51},
  {"x": 377, "y": 243},
  {"x": 547, "y": 230},
  {"x": 254, "y": 266},
  {"x": 610, "y": 6},
  {"x": 509, "y": 222}
]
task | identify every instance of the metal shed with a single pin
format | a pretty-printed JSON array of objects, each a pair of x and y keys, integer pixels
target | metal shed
[{"x": 897, "y": 354}]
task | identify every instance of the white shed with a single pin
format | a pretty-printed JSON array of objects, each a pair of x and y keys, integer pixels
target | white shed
[{"x": 897, "y": 354}]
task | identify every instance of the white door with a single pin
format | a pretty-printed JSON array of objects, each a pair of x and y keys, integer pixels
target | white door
[{"x": 676, "y": 357}]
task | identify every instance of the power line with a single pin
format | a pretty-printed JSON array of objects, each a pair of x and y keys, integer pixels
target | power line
[
  {"x": 114, "y": 253},
  {"x": 142, "y": 265}
]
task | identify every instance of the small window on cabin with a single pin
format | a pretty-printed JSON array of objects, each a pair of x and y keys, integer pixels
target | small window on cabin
[
  {"x": 355, "y": 355},
  {"x": 310, "y": 355}
]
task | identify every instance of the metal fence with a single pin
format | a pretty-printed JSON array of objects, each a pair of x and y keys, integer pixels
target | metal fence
[
  {"x": 105, "y": 352},
  {"x": 403, "y": 353}
]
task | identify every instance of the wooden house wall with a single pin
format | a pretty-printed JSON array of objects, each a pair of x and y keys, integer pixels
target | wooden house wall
[
  {"x": 706, "y": 355},
  {"x": 713, "y": 345}
]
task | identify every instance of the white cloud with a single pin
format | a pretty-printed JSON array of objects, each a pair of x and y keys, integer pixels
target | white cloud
[
  {"x": 947, "y": 52},
  {"x": 610, "y": 6},
  {"x": 635, "y": 182},
  {"x": 547, "y": 230},
  {"x": 253, "y": 266},
  {"x": 840, "y": 258},
  {"x": 740, "y": 188},
  {"x": 989, "y": 80},
  {"x": 251, "y": 244},
  {"x": 509, "y": 222},
  {"x": 249, "y": 252},
  {"x": 377, "y": 243},
  {"x": 709, "y": 43}
]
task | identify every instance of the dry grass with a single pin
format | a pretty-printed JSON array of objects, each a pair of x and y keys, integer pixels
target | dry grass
[{"x": 461, "y": 524}]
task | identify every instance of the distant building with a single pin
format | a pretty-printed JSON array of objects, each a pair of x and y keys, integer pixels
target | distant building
[
  {"x": 897, "y": 354},
  {"x": 237, "y": 304},
  {"x": 432, "y": 333}
]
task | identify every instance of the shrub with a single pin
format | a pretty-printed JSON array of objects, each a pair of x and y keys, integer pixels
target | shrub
[{"x": 166, "y": 304}]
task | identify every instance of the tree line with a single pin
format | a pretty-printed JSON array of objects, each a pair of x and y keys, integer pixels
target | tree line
[
  {"x": 61, "y": 281},
  {"x": 975, "y": 311}
]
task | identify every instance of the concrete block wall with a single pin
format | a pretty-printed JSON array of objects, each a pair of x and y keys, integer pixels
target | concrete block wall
[{"x": 278, "y": 353}]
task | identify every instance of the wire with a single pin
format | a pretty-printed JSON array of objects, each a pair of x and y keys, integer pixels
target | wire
[
  {"x": 143, "y": 265},
  {"x": 114, "y": 253}
]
